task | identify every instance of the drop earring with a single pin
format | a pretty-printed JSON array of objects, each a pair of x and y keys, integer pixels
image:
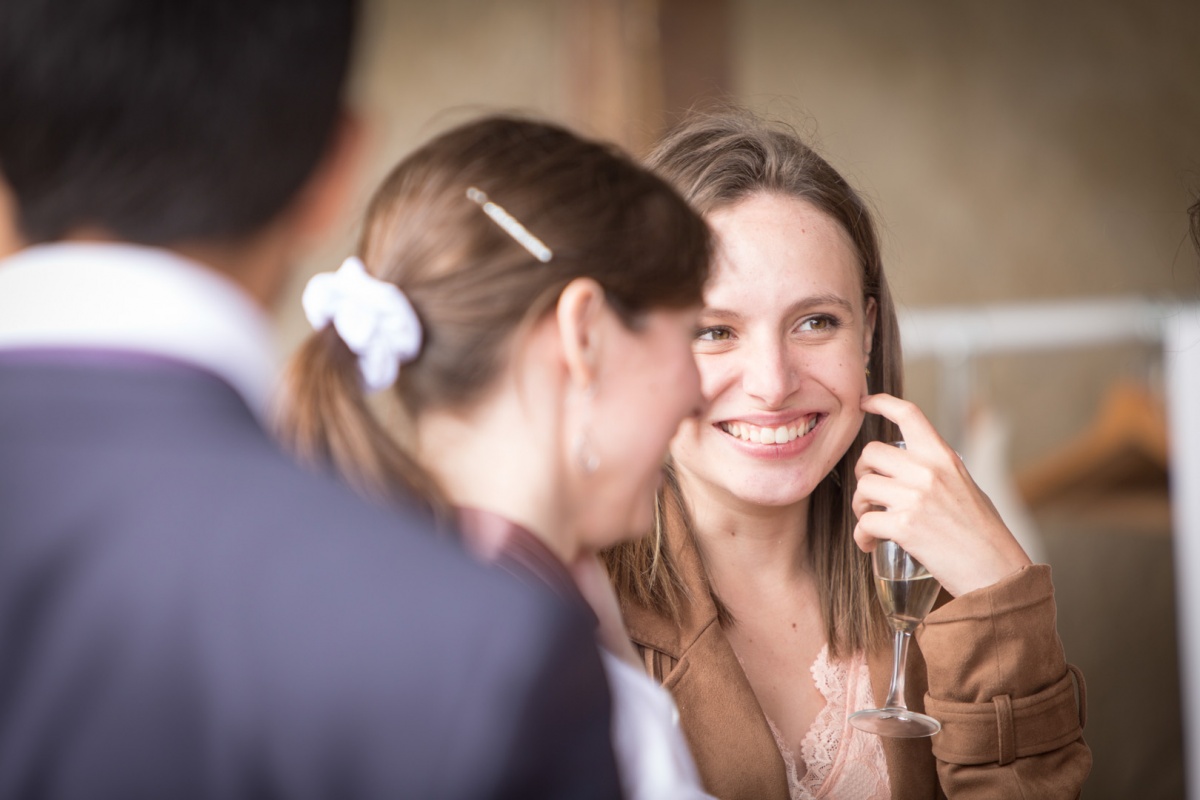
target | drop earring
[{"x": 588, "y": 461}]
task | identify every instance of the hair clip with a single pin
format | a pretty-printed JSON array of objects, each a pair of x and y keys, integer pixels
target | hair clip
[
  {"x": 373, "y": 317},
  {"x": 511, "y": 226}
]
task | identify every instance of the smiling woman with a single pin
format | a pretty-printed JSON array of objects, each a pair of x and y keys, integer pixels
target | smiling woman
[{"x": 758, "y": 576}]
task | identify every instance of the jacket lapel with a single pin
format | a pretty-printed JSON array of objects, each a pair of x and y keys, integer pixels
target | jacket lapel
[{"x": 729, "y": 736}]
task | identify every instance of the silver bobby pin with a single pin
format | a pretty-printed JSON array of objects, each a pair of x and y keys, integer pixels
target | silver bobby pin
[{"x": 511, "y": 226}]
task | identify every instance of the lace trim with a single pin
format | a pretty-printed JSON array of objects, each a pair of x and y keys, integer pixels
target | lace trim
[
  {"x": 840, "y": 760},
  {"x": 789, "y": 762},
  {"x": 819, "y": 747}
]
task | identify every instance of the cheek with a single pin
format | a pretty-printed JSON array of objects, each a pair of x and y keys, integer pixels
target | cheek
[
  {"x": 844, "y": 375},
  {"x": 716, "y": 374},
  {"x": 690, "y": 383},
  {"x": 676, "y": 392},
  {"x": 676, "y": 406},
  {"x": 848, "y": 383},
  {"x": 644, "y": 417},
  {"x": 686, "y": 438}
]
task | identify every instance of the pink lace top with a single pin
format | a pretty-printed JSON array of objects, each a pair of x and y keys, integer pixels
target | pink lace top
[{"x": 839, "y": 759}]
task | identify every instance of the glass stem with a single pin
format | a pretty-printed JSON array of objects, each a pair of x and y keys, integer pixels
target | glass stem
[{"x": 895, "y": 698}]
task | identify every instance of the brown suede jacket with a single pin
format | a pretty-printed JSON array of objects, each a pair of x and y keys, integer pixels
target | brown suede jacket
[{"x": 989, "y": 665}]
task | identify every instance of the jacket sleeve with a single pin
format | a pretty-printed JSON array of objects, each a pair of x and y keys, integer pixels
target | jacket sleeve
[{"x": 1012, "y": 710}]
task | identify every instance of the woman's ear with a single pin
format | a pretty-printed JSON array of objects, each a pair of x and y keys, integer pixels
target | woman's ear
[{"x": 580, "y": 313}]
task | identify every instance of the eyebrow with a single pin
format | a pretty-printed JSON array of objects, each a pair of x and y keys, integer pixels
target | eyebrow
[{"x": 799, "y": 307}]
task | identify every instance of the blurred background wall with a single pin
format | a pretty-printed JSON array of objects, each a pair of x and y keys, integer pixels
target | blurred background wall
[{"x": 1016, "y": 152}]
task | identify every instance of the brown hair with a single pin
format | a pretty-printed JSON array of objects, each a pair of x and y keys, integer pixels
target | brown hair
[
  {"x": 474, "y": 287},
  {"x": 716, "y": 160},
  {"x": 1194, "y": 215}
]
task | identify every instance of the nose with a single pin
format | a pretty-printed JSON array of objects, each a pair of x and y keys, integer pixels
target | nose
[{"x": 767, "y": 373}]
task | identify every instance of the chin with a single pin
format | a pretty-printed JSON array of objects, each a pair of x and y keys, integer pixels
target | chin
[{"x": 773, "y": 493}]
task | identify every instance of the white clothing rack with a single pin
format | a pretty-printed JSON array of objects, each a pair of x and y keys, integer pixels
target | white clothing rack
[
  {"x": 953, "y": 336},
  {"x": 1022, "y": 327}
]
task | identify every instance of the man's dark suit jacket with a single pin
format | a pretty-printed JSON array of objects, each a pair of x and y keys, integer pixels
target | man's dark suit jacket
[{"x": 184, "y": 613}]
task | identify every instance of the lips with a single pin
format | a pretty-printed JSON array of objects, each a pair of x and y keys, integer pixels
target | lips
[{"x": 778, "y": 434}]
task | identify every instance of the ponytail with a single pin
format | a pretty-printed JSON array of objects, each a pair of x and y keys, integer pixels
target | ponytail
[{"x": 327, "y": 422}]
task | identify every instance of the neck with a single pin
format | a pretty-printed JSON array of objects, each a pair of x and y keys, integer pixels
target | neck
[
  {"x": 496, "y": 459},
  {"x": 258, "y": 262},
  {"x": 10, "y": 239},
  {"x": 748, "y": 549}
]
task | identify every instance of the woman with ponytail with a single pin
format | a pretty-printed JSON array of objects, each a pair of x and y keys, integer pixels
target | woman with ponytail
[{"x": 522, "y": 304}]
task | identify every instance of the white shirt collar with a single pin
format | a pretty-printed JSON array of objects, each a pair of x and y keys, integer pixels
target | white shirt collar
[{"x": 138, "y": 299}]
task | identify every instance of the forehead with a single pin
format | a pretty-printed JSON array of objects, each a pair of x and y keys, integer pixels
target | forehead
[{"x": 783, "y": 247}]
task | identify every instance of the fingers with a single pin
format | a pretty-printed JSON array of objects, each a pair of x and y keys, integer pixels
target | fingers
[
  {"x": 918, "y": 432},
  {"x": 923, "y": 498},
  {"x": 905, "y": 414},
  {"x": 881, "y": 459},
  {"x": 928, "y": 504},
  {"x": 877, "y": 492},
  {"x": 874, "y": 526}
]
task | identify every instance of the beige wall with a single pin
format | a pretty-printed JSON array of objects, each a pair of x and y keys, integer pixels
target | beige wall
[{"x": 1015, "y": 149}]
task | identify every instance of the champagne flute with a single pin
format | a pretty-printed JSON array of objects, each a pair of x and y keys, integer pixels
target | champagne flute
[{"x": 907, "y": 592}]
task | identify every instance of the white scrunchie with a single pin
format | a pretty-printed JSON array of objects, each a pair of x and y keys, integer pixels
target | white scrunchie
[{"x": 373, "y": 318}]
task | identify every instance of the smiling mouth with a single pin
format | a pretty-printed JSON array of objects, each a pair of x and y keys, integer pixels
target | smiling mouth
[{"x": 777, "y": 435}]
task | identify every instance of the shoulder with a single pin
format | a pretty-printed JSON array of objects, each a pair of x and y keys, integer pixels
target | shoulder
[
  {"x": 672, "y": 632},
  {"x": 690, "y": 649},
  {"x": 654, "y": 629},
  {"x": 202, "y": 594}
]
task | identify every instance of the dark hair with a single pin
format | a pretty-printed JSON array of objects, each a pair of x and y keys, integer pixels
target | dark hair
[
  {"x": 475, "y": 288},
  {"x": 717, "y": 160},
  {"x": 164, "y": 121}
]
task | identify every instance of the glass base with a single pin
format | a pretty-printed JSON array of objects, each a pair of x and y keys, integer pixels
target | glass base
[{"x": 897, "y": 722}]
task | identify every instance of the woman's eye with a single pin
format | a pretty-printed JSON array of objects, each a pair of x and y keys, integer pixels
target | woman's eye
[
  {"x": 821, "y": 323},
  {"x": 713, "y": 334}
]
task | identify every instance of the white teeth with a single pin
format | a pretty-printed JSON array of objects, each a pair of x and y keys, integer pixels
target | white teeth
[{"x": 780, "y": 435}]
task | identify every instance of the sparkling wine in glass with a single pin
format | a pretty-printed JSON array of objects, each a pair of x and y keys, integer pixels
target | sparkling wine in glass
[{"x": 906, "y": 591}]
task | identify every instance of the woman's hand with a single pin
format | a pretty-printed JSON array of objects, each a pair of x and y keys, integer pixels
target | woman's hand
[
  {"x": 924, "y": 499},
  {"x": 592, "y": 579}
]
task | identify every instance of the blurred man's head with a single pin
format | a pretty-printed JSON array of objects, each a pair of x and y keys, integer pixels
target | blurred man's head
[{"x": 166, "y": 121}]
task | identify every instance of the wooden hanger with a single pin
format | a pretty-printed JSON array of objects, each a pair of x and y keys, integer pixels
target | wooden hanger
[{"x": 1125, "y": 447}]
